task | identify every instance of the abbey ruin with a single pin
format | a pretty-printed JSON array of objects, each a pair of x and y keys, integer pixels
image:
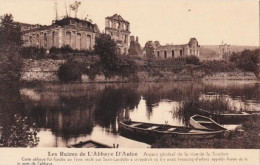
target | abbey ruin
[{"x": 80, "y": 34}]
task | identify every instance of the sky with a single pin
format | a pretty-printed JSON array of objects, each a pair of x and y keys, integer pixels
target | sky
[{"x": 234, "y": 22}]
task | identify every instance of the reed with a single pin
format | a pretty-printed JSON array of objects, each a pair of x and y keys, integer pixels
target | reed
[{"x": 245, "y": 137}]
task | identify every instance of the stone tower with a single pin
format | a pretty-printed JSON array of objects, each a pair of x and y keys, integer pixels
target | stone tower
[
  {"x": 119, "y": 30},
  {"x": 224, "y": 51}
]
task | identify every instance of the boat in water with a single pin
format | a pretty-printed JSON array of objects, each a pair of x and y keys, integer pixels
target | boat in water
[
  {"x": 228, "y": 117},
  {"x": 151, "y": 131},
  {"x": 206, "y": 123},
  {"x": 90, "y": 144}
]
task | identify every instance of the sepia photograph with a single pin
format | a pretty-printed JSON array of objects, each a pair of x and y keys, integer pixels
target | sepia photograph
[{"x": 130, "y": 74}]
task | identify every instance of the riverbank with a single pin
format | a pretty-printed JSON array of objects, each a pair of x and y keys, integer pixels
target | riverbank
[
  {"x": 246, "y": 137},
  {"x": 47, "y": 70}
]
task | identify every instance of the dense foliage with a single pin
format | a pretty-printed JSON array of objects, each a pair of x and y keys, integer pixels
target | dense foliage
[
  {"x": 134, "y": 48},
  {"x": 22, "y": 133},
  {"x": 246, "y": 60},
  {"x": 10, "y": 43},
  {"x": 106, "y": 48},
  {"x": 71, "y": 71},
  {"x": 149, "y": 49},
  {"x": 10, "y": 34},
  {"x": 192, "y": 60},
  {"x": 33, "y": 52},
  {"x": 67, "y": 49},
  {"x": 111, "y": 62}
]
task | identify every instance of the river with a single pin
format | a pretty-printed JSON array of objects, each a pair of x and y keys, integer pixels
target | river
[{"x": 69, "y": 113}]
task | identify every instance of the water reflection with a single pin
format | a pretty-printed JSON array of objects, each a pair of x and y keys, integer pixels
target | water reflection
[
  {"x": 69, "y": 113},
  {"x": 15, "y": 128}
]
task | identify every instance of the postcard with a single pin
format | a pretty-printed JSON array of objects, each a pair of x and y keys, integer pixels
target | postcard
[{"x": 129, "y": 81}]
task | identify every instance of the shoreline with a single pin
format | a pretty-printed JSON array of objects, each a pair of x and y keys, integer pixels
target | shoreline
[{"x": 47, "y": 71}]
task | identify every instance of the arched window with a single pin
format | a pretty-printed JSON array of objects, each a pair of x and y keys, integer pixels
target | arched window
[
  {"x": 45, "y": 40},
  {"x": 30, "y": 40},
  {"x": 68, "y": 38},
  {"x": 158, "y": 54},
  {"x": 37, "y": 40},
  {"x": 53, "y": 39},
  {"x": 165, "y": 54},
  {"x": 172, "y": 53},
  {"x": 181, "y": 52},
  {"x": 89, "y": 42},
  {"x": 118, "y": 25},
  {"x": 78, "y": 41},
  {"x": 125, "y": 38}
]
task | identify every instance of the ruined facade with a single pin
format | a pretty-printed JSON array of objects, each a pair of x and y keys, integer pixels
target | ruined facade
[
  {"x": 224, "y": 51},
  {"x": 171, "y": 51},
  {"x": 78, "y": 34},
  {"x": 119, "y": 30}
]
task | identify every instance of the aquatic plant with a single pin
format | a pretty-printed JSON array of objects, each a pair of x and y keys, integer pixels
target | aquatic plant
[
  {"x": 192, "y": 103},
  {"x": 21, "y": 133},
  {"x": 246, "y": 137}
]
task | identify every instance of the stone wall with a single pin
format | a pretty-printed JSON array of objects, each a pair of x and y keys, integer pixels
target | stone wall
[
  {"x": 41, "y": 70},
  {"x": 237, "y": 75},
  {"x": 47, "y": 69}
]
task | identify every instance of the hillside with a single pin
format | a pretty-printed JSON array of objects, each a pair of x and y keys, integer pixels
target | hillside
[{"x": 211, "y": 51}]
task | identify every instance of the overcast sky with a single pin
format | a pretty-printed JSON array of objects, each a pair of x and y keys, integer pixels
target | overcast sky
[{"x": 236, "y": 22}]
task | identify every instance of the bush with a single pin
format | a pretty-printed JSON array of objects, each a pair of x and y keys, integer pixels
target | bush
[
  {"x": 192, "y": 60},
  {"x": 10, "y": 66},
  {"x": 93, "y": 71},
  {"x": 66, "y": 49},
  {"x": 71, "y": 71},
  {"x": 54, "y": 50},
  {"x": 33, "y": 52},
  {"x": 214, "y": 66},
  {"x": 247, "y": 60},
  {"x": 21, "y": 133}
]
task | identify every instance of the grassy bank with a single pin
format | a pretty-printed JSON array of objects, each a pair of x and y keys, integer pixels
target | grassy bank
[{"x": 246, "y": 137}]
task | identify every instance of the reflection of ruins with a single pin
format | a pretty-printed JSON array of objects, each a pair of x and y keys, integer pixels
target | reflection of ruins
[
  {"x": 84, "y": 110},
  {"x": 78, "y": 34}
]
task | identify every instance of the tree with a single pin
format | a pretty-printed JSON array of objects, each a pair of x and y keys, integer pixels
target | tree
[
  {"x": 149, "y": 49},
  {"x": 71, "y": 71},
  {"x": 135, "y": 48},
  {"x": 248, "y": 60},
  {"x": 10, "y": 43},
  {"x": 107, "y": 50},
  {"x": 10, "y": 34}
]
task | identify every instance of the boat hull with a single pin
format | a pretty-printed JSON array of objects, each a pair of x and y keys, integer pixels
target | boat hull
[
  {"x": 227, "y": 118},
  {"x": 151, "y": 135},
  {"x": 89, "y": 144},
  {"x": 202, "y": 122}
]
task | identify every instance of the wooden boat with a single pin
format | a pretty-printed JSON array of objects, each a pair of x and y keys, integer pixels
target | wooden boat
[
  {"x": 202, "y": 122},
  {"x": 227, "y": 117},
  {"x": 150, "y": 131},
  {"x": 253, "y": 112},
  {"x": 89, "y": 144}
]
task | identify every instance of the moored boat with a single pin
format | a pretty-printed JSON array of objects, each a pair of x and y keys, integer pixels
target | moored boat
[
  {"x": 228, "y": 115},
  {"x": 89, "y": 144},
  {"x": 202, "y": 122},
  {"x": 153, "y": 131}
]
